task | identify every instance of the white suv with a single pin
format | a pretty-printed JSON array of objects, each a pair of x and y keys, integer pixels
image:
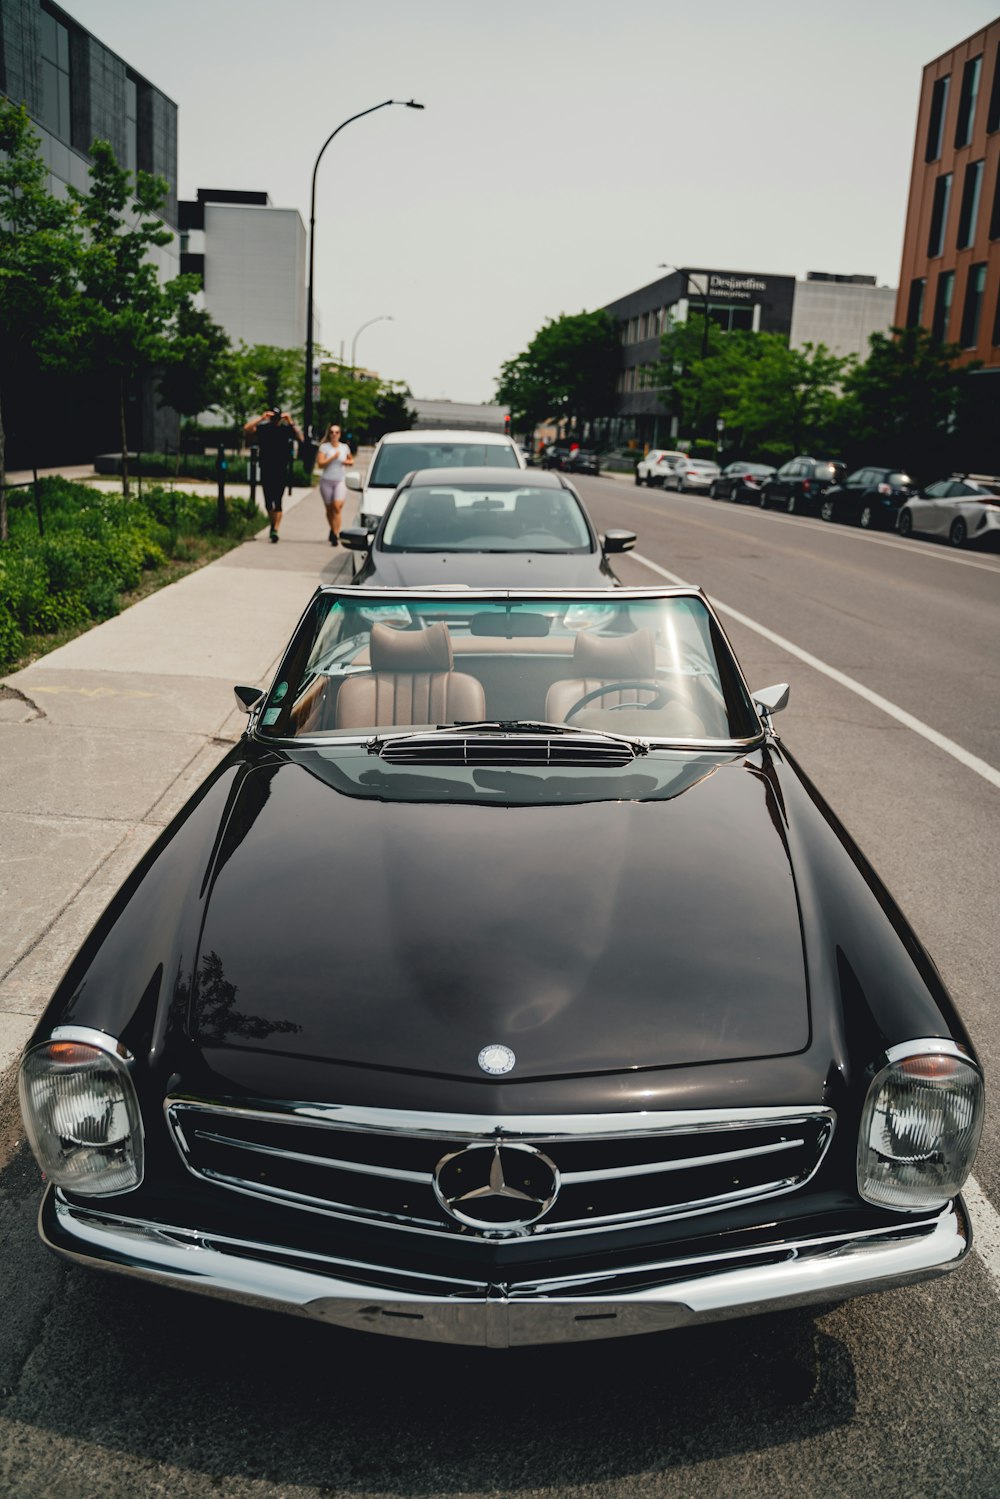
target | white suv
[
  {"x": 657, "y": 463},
  {"x": 400, "y": 452}
]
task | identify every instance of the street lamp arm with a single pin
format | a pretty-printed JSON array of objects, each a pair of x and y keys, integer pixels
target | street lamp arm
[{"x": 383, "y": 317}]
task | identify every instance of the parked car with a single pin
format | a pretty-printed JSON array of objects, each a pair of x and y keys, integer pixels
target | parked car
[
  {"x": 657, "y": 463},
  {"x": 740, "y": 482},
  {"x": 869, "y": 498},
  {"x": 964, "y": 508},
  {"x": 698, "y": 474},
  {"x": 800, "y": 484},
  {"x": 582, "y": 461},
  {"x": 397, "y": 453},
  {"x": 554, "y": 455},
  {"x": 485, "y": 527},
  {"x": 613, "y": 1028},
  {"x": 527, "y": 452}
]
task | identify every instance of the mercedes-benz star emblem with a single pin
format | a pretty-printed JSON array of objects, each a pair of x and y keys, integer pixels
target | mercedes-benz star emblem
[
  {"x": 499, "y": 1188},
  {"x": 496, "y": 1059}
]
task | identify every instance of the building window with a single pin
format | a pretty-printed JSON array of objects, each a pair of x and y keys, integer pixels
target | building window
[
  {"x": 993, "y": 118},
  {"x": 975, "y": 286},
  {"x": 939, "y": 215},
  {"x": 935, "y": 127},
  {"x": 942, "y": 305},
  {"x": 995, "y": 215},
  {"x": 969, "y": 213},
  {"x": 54, "y": 57},
  {"x": 131, "y": 125},
  {"x": 967, "y": 100},
  {"x": 915, "y": 308},
  {"x": 996, "y": 323}
]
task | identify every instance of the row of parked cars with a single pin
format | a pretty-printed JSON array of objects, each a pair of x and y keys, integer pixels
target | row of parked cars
[{"x": 962, "y": 509}]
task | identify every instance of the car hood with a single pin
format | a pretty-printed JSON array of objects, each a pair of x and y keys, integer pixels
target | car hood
[
  {"x": 486, "y": 570},
  {"x": 588, "y": 937}
]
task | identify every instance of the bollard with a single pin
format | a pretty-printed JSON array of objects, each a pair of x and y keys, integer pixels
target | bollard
[
  {"x": 252, "y": 468},
  {"x": 220, "y": 468},
  {"x": 38, "y": 502}
]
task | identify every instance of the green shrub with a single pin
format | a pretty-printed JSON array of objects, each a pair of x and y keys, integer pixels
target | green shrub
[{"x": 11, "y": 639}]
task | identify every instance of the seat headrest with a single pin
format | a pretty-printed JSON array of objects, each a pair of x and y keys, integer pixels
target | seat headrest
[
  {"x": 622, "y": 656},
  {"x": 411, "y": 650}
]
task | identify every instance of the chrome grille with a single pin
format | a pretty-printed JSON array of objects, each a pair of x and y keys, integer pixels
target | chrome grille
[
  {"x": 505, "y": 749},
  {"x": 378, "y": 1166}
]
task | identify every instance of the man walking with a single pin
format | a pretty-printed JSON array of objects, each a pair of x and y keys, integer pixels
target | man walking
[{"x": 275, "y": 434}]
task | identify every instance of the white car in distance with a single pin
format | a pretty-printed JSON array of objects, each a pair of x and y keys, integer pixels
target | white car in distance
[
  {"x": 398, "y": 453},
  {"x": 962, "y": 509},
  {"x": 657, "y": 463}
]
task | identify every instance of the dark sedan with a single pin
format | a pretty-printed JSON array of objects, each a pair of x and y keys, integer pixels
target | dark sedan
[
  {"x": 506, "y": 983},
  {"x": 740, "y": 482},
  {"x": 800, "y": 484},
  {"x": 582, "y": 461},
  {"x": 870, "y": 498},
  {"x": 486, "y": 527}
]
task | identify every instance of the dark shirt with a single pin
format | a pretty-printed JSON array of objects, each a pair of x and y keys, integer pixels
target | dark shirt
[{"x": 274, "y": 440}]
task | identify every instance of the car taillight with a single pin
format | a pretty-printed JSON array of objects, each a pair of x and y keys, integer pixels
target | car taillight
[
  {"x": 884, "y": 489},
  {"x": 749, "y": 479},
  {"x": 807, "y": 484}
]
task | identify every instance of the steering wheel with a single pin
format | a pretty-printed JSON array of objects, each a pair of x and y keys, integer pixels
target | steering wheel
[{"x": 661, "y": 696}]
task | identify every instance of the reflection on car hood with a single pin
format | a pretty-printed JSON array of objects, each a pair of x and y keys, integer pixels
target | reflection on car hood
[
  {"x": 588, "y": 937},
  {"x": 486, "y": 570}
]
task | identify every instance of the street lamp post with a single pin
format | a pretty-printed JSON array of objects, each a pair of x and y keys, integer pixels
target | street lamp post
[
  {"x": 307, "y": 405},
  {"x": 383, "y": 317}
]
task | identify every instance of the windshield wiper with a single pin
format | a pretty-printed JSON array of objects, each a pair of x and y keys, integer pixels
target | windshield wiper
[{"x": 512, "y": 726}]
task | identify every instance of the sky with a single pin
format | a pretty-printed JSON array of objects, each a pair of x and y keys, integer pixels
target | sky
[{"x": 567, "y": 148}]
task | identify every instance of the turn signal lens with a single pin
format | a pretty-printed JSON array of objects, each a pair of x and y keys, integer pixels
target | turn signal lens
[
  {"x": 82, "y": 1117},
  {"x": 920, "y": 1129}
]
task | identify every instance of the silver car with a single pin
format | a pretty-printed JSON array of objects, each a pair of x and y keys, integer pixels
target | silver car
[
  {"x": 692, "y": 474},
  {"x": 962, "y": 509}
]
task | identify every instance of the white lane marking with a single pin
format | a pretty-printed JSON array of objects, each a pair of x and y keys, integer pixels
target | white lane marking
[
  {"x": 971, "y": 762},
  {"x": 985, "y": 1228},
  {"x": 914, "y": 548}
]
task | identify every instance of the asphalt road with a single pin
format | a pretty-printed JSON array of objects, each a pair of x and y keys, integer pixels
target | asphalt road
[{"x": 109, "y": 1388}]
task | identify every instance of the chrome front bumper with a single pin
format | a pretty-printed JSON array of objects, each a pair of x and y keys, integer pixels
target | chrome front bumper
[{"x": 678, "y": 1293}]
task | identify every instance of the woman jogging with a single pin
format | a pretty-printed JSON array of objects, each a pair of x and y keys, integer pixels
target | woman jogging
[{"x": 333, "y": 457}]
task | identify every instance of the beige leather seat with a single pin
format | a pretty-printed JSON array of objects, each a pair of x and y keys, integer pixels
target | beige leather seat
[
  {"x": 600, "y": 661},
  {"x": 412, "y": 681},
  {"x": 603, "y": 661}
]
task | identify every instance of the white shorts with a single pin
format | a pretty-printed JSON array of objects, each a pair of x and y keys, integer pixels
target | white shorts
[{"x": 332, "y": 489}]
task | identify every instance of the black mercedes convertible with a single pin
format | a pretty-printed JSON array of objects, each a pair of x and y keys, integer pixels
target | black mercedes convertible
[{"x": 507, "y": 983}]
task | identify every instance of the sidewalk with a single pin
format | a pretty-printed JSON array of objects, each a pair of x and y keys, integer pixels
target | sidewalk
[{"x": 104, "y": 739}]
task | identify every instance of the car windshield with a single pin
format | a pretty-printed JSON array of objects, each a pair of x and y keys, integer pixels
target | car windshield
[
  {"x": 394, "y": 460},
  {"x": 478, "y": 518},
  {"x": 363, "y": 662}
]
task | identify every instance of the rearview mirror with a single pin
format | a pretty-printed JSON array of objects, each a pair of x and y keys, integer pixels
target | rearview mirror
[
  {"x": 247, "y": 697},
  {"x": 618, "y": 541},
  {"x": 353, "y": 480},
  {"x": 771, "y": 699},
  {"x": 355, "y": 538}
]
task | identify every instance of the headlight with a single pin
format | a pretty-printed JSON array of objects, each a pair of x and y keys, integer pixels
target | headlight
[
  {"x": 82, "y": 1116},
  {"x": 920, "y": 1127}
]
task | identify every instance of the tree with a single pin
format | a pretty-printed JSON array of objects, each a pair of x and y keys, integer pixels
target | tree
[
  {"x": 788, "y": 399},
  {"x": 191, "y": 380},
  {"x": 568, "y": 371},
  {"x": 257, "y": 376},
  {"x": 905, "y": 402},
  {"x": 39, "y": 253},
  {"x": 122, "y": 312}
]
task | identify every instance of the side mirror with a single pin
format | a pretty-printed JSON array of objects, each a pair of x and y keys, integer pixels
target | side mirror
[
  {"x": 768, "y": 700},
  {"x": 353, "y": 480},
  {"x": 356, "y": 538},
  {"x": 618, "y": 541},
  {"x": 247, "y": 698}
]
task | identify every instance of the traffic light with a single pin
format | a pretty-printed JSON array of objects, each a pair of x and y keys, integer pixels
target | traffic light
[{"x": 506, "y": 425}]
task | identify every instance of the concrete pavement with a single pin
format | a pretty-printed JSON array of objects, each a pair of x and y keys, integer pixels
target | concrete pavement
[{"x": 103, "y": 740}]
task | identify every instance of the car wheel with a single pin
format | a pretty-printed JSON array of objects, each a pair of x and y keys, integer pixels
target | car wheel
[
  {"x": 681, "y": 487},
  {"x": 712, "y": 492},
  {"x": 763, "y": 499},
  {"x": 958, "y": 533},
  {"x": 905, "y": 523},
  {"x": 828, "y": 510},
  {"x": 790, "y": 504},
  {"x": 867, "y": 519}
]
